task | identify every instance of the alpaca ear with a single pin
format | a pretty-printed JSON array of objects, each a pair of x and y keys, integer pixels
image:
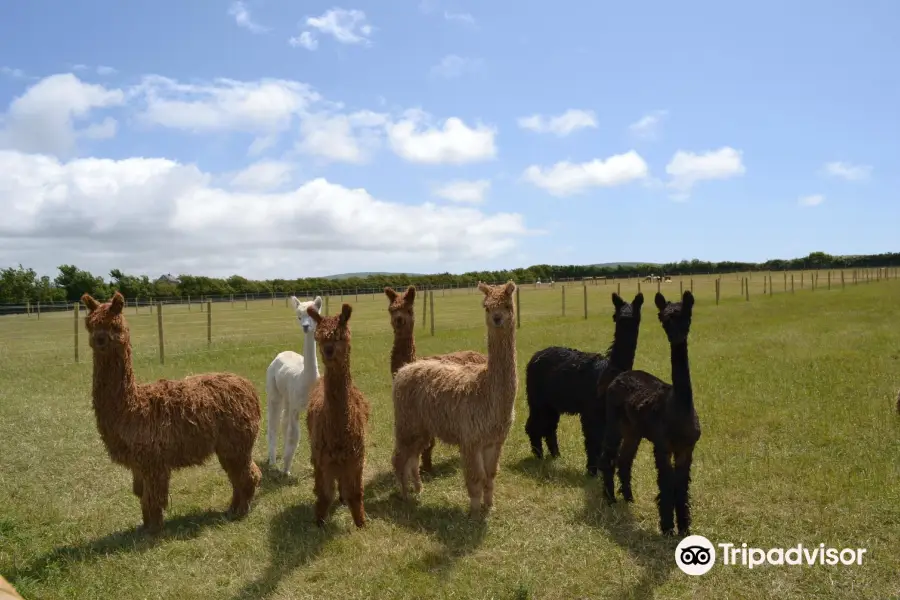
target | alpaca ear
[
  {"x": 510, "y": 288},
  {"x": 485, "y": 288},
  {"x": 660, "y": 301},
  {"x": 314, "y": 314},
  {"x": 89, "y": 302},
  {"x": 117, "y": 304},
  {"x": 390, "y": 293},
  {"x": 294, "y": 302},
  {"x": 617, "y": 301},
  {"x": 410, "y": 295},
  {"x": 318, "y": 302},
  {"x": 638, "y": 300},
  {"x": 687, "y": 300},
  {"x": 346, "y": 311}
]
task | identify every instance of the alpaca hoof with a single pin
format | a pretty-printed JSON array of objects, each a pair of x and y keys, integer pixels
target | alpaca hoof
[
  {"x": 668, "y": 533},
  {"x": 320, "y": 523},
  {"x": 592, "y": 471},
  {"x": 627, "y": 496},
  {"x": 684, "y": 532}
]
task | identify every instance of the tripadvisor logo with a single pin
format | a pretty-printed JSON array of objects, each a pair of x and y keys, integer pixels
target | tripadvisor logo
[{"x": 696, "y": 555}]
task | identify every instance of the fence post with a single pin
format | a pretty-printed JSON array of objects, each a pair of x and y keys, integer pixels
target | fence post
[
  {"x": 743, "y": 279},
  {"x": 245, "y": 301},
  {"x": 765, "y": 289},
  {"x": 76, "y": 331},
  {"x": 189, "y": 302},
  {"x": 585, "y": 301},
  {"x": 208, "y": 322},
  {"x": 431, "y": 301},
  {"x": 639, "y": 286},
  {"x": 326, "y": 304},
  {"x": 159, "y": 324},
  {"x": 564, "y": 300},
  {"x": 842, "y": 279},
  {"x": 619, "y": 287},
  {"x": 692, "y": 285},
  {"x": 28, "y": 307},
  {"x": 518, "y": 310},
  {"x": 424, "y": 307},
  {"x": 717, "y": 290},
  {"x": 680, "y": 288},
  {"x": 659, "y": 285},
  {"x": 829, "y": 280},
  {"x": 792, "y": 283},
  {"x": 39, "y": 309},
  {"x": 747, "y": 289}
]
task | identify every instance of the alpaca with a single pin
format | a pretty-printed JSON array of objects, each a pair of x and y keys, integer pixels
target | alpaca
[
  {"x": 468, "y": 405},
  {"x": 336, "y": 420},
  {"x": 640, "y": 405},
  {"x": 155, "y": 428},
  {"x": 288, "y": 381},
  {"x": 561, "y": 380},
  {"x": 401, "y": 308}
]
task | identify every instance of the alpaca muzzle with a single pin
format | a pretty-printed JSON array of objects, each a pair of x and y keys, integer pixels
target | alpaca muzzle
[
  {"x": 100, "y": 339},
  {"x": 328, "y": 351}
]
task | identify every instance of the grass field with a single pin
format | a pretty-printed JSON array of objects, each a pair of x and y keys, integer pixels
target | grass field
[{"x": 801, "y": 444}]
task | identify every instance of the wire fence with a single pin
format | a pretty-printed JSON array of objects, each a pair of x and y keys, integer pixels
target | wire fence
[{"x": 176, "y": 327}]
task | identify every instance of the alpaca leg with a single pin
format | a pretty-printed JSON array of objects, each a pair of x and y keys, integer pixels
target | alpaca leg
[
  {"x": 244, "y": 476},
  {"x": 137, "y": 483},
  {"x": 612, "y": 438},
  {"x": 291, "y": 439},
  {"x": 426, "y": 456},
  {"x": 664, "y": 478},
  {"x": 352, "y": 484},
  {"x": 275, "y": 409},
  {"x": 629, "y": 448},
  {"x": 534, "y": 432},
  {"x": 593, "y": 441},
  {"x": 154, "y": 500},
  {"x": 323, "y": 488},
  {"x": 473, "y": 471},
  {"x": 552, "y": 423},
  {"x": 682, "y": 481},
  {"x": 491, "y": 458},
  {"x": 399, "y": 461}
]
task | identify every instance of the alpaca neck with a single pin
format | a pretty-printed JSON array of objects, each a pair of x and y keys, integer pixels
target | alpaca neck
[
  {"x": 501, "y": 362},
  {"x": 310, "y": 364},
  {"x": 624, "y": 346},
  {"x": 404, "y": 350},
  {"x": 114, "y": 386},
  {"x": 681, "y": 374},
  {"x": 337, "y": 382}
]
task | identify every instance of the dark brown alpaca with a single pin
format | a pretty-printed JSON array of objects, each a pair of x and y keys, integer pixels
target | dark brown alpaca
[
  {"x": 401, "y": 308},
  {"x": 155, "y": 428},
  {"x": 336, "y": 420},
  {"x": 640, "y": 405}
]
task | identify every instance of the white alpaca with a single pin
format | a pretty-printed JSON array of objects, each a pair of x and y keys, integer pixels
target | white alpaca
[{"x": 288, "y": 381}]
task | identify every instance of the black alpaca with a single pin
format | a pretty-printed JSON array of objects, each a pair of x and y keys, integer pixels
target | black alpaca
[
  {"x": 567, "y": 381},
  {"x": 640, "y": 405}
]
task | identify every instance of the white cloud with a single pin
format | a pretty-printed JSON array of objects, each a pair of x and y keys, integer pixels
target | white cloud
[
  {"x": 848, "y": 171},
  {"x": 812, "y": 200},
  {"x": 687, "y": 168},
  {"x": 459, "y": 17},
  {"x": 452, "y": 66},
  {"x": 345, "y": 26},
  {"x": 468, "y": 192},
  {"x": 566, "y": 178},
  {"x": 305, "y": 40},
  {"x": 43, "y": 119},
  {"x": 100, "y": 131},
  {"x": 242, "y": 17},
  {"x": 453, "y": 143},
  {"x": 647, "y": 127},
  {"x": 104, "y": 70},
  {"x": 263, "y": 175},
  {"x": 102, "y": 214},
  {"x": 342, "y": 138},
  {"x": 11, "y": 72},
  {"x": 560, "y": 125}
]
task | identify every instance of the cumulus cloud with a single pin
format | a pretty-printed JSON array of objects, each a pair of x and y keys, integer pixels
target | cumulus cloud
[
  {"x": 566, "y": 178},
  {"x": 413, "y": 138},
  {"x": 453, "y": 66},
  {"x": 263, "y": 175},
  {"x": 560, "y": 125},
  {"x": 848, "y": 171},
  {"x": 812, "y": 200},
  {"x": 304, "y": 40},
  {"x": 345, "y": 26},
  {"x": 647, "y": 127},
  {"x": 45, "y": 117},
  {"x": 241, "y": 14},
  {"x": 469, "y": 192},
  {"x": 102, "y": 213},
  {"x": 686, "y": 169},
  {"x": 347, "y": 138}
]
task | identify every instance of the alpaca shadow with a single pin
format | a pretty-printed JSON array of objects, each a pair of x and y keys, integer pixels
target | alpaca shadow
[
  {"x": 274, "y": 480},
  {"x": 457, "y": 532},
  {"x": 653, "y": 553},
  {"x": 134, "y": 540},
  {"x": 550, "y": 471}
]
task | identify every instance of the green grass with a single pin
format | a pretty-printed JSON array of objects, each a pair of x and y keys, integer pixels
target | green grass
[{"x": 801, "y": 444}]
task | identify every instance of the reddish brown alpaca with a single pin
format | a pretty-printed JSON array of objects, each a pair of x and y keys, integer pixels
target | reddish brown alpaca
[
  {"x": 402, "y": 307},
  {"x": 336, "y": 420},
  {"x": 156, "y": 428}
]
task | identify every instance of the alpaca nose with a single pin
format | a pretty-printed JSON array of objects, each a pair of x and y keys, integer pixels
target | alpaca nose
[
  {"x": 305, "y": 327},
  {"x": 100, "y": 339},
  {"x": 328, "y": 351},
  {"x": 498, "y": 320}
]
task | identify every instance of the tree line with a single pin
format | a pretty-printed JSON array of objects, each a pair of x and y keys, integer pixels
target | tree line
[{"x": 20, "y": 285}]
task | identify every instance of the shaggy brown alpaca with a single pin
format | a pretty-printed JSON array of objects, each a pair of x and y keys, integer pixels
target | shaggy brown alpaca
[
  {"x": 155, "y": 428},
  {"x": 467, "y": 405},
  {"x": 401, "y": 308},
  {"x": 336, "y": 420}
]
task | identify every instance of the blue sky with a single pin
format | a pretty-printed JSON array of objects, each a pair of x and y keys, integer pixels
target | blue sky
[{"x": 438, "y": 135}]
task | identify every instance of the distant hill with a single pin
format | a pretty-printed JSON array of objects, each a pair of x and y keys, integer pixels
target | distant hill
[{"x": 367, "y": 274}]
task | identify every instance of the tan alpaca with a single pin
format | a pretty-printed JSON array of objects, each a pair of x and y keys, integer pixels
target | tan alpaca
[
  {"x": 401, "y": 308},
  {"x": 471, "y": 406}
]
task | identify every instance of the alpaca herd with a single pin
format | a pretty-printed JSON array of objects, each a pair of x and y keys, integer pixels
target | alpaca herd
[{"x": 464, "y": 399}]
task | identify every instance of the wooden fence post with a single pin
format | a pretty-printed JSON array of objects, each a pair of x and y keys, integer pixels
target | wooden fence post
[
  {"x": 431, "y": 302},
  {"x": 717, "y": 290},
  {"x": 76, "y": 331},
  {"x": 189, "y": 303},
  {"x": 245, "y": 301},
  {"x": 564, "y": 300},
  {"x": 658, "y": 285},
  {"x": 680, "y": 288},
  {"x": 842, "y": 279},
  {"x": 326, "y": 304},
  {"x": 764, "y": 286},
  {"x": 38, "y": 309},
  {"x": 585, "y": 301},
  {"x": 829, "y": 280},
  {"x": 424, "y": 306},
  {"x": 159, "y": 324},
  {"x": 619, "y": 287},
  {"x": 692, "y": 285},
  {"x": 208, "y": 323},
  {"x": 518, "y": 310},
  {"x": 747, "y": 289},
  {"x": 792, "y": 283}
]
